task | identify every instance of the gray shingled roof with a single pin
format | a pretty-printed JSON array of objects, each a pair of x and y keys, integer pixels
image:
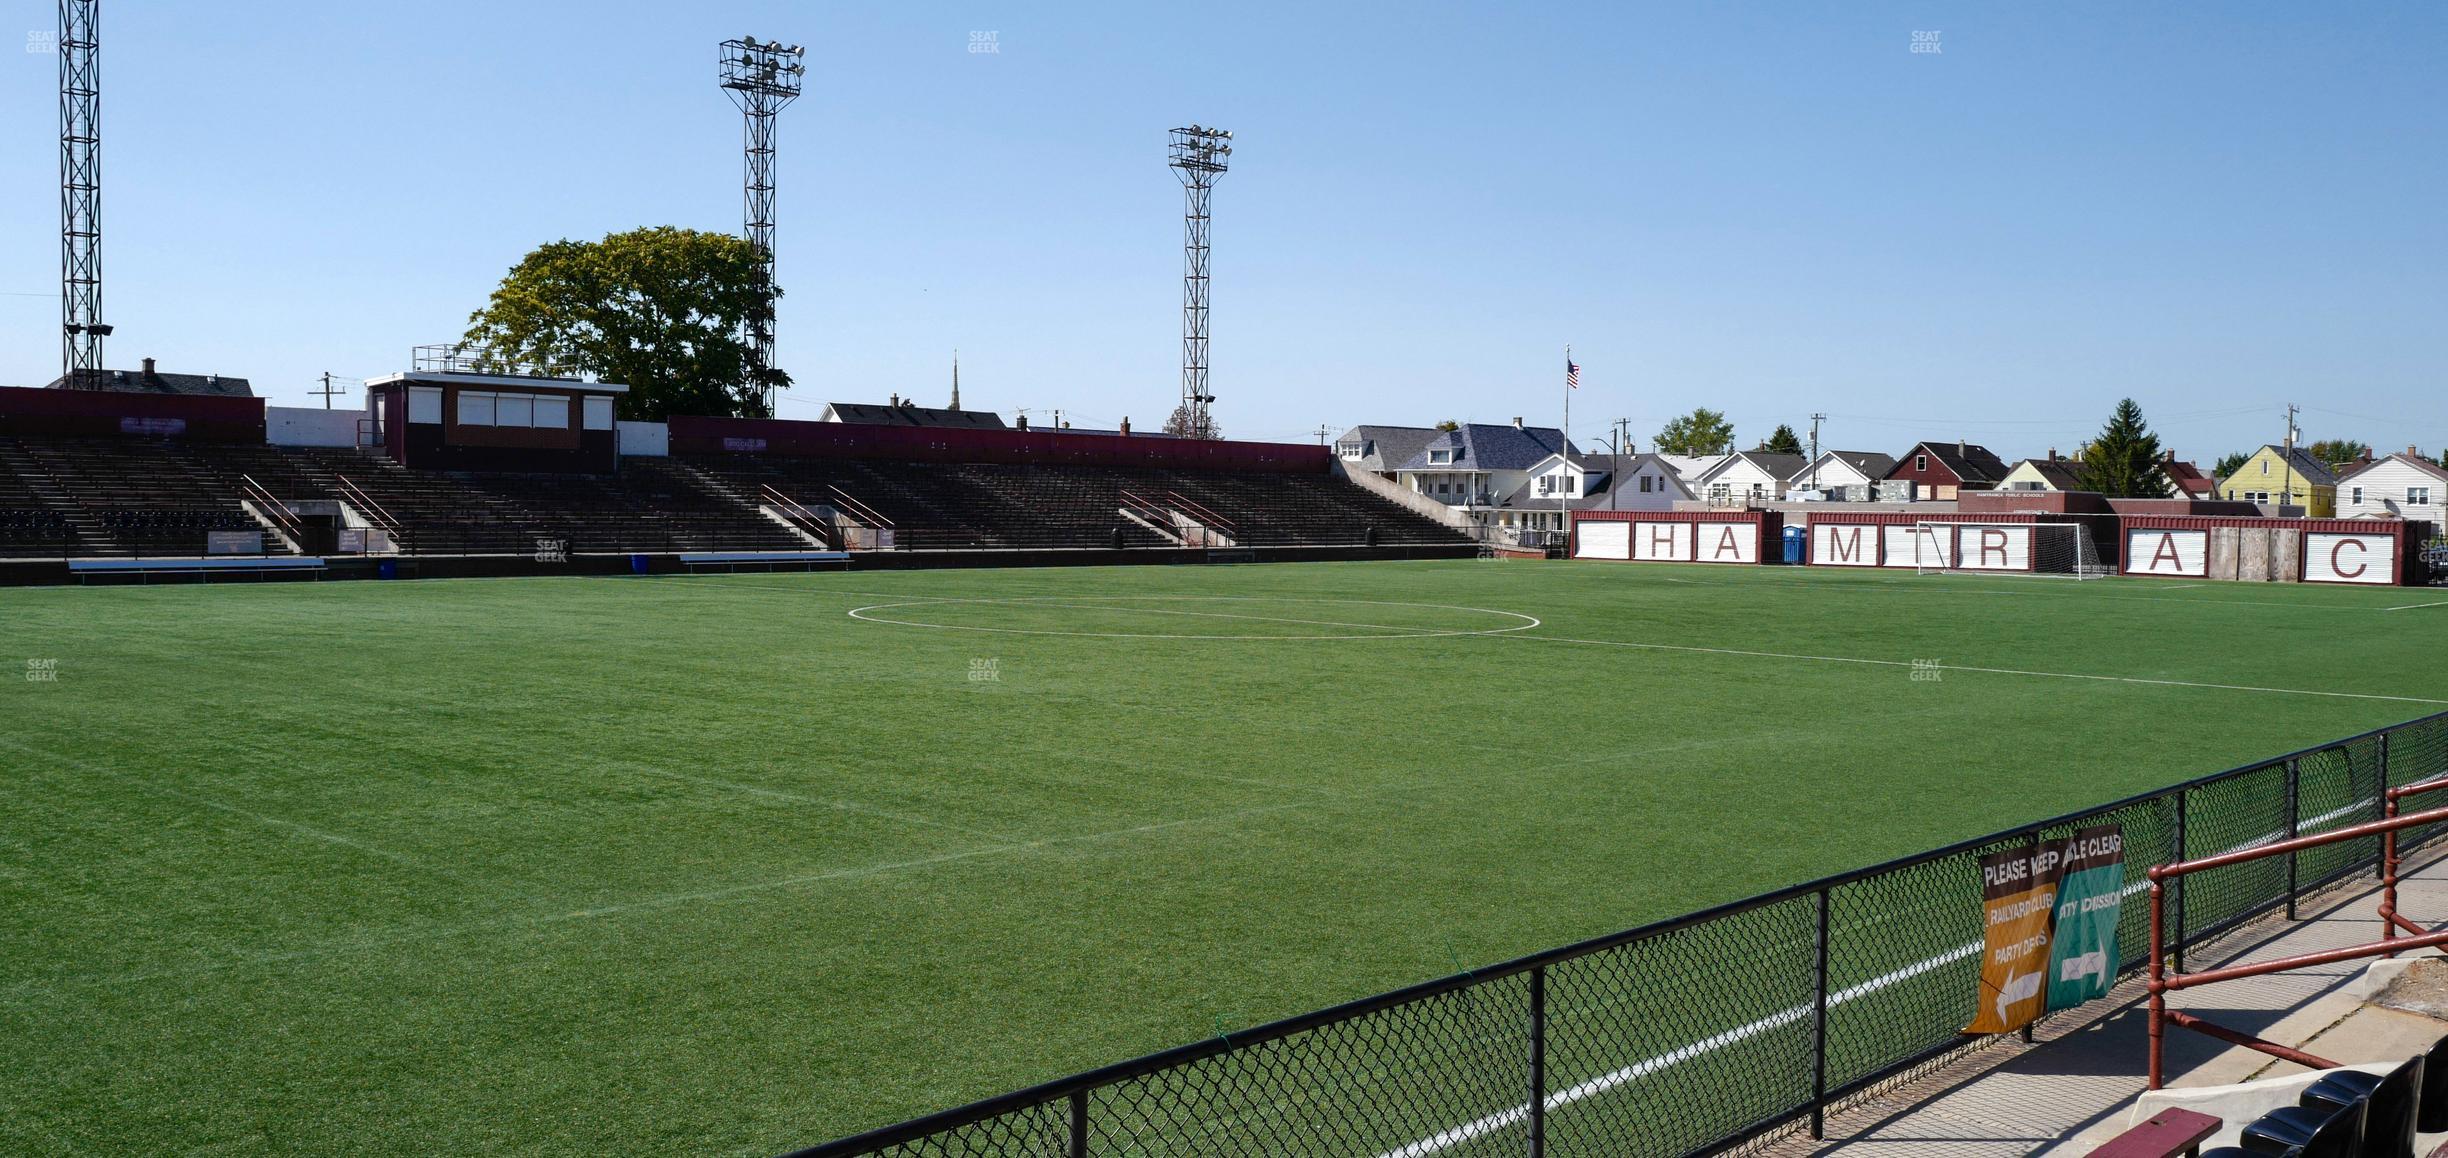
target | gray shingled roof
[
  {"x": 139, "y": 382},
  {"x": 1385, "y": 448},
  {"x": 1485, "y": 446},
  {"x": 880, "y": 414}
]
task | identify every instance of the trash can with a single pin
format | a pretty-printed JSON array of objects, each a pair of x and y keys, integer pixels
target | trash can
[
  {"x": 637, "y": 564},
  {"x": 1795, "y": 538},
  {"x": 387, "y": 569}
]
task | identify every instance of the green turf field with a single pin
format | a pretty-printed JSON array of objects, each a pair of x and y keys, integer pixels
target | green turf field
[{"x": 733, "y": 864}]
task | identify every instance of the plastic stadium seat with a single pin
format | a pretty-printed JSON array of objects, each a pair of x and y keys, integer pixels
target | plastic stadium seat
[
  {"x": 2388, "y": 1123},
  {"x": 2311, "y": 1133}
]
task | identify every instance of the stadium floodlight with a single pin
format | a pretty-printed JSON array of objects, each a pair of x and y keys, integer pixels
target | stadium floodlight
[
  {"x": 80, "y": 109},
  {"x": 762, "y": 77},
  {"x": 1199, "y": 155}
]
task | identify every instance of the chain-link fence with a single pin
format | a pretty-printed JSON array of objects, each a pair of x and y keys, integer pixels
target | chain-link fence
[{"x": 1691, "y": 1035}]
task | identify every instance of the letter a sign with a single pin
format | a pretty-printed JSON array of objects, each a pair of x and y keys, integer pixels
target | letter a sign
[{"x": 2050, "y": 916}]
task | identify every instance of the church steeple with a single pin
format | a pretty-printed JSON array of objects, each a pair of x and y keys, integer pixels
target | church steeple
[{"x": 955, "y": 379}]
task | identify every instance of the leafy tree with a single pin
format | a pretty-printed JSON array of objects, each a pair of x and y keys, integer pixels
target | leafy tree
[
  {"x": 1178, "y": 424},
  {"x": 2229, "y": 464},
  {"x": 2338, "y": 451},
  {"x": 2123, "y": 462},
  {"x": 659, "y": 310},
  {"x": 1449, "y": 426},
  {"x": 1784, "y": 441},
  {"x": 1703, "y": 431}
]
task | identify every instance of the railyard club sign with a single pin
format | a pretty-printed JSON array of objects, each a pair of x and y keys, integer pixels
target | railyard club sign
[{"x": 2050, "y": 912}]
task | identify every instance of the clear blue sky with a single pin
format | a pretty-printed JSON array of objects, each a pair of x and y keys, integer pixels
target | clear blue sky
[{"x": 1766, "y": 208}]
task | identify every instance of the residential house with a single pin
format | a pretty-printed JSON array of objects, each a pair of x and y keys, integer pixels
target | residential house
[
  {"x": 2405, "y": 486},
  {"x": 2185, "y": 480},
  {"x": 2276, "y": 477},
  {"x": 1939, "y": 470},
  {"x": 2043, "y": 474},
  {"x": 1380, "y": 449},
  {"x": 904, "y": 412},
  {"x": 1749, "y": 476},
  {"x": 1478, "y": 465},
  {"x": 1590, "y": 482},
  {"x": 1689, "y": 467},
  {"x": 1844, "y": 470}
]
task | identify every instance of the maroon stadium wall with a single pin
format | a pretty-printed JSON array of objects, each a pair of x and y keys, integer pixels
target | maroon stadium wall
[
  {"x": 1728, "y": 536},
  {"x": 2359, "y": 551},
  {"x": 107, "y": 412},
  {"x": 1021, "y": 447}
]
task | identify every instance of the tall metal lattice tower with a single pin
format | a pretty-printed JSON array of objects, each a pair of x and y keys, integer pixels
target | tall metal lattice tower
[
  {"x": 762, "y": 77},
  {"x": 1199, "y": 156},
  {"x": 80, "y": 82}
]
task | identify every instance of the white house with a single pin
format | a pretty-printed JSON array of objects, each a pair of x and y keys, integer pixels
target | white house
[
  {"x": 1479, "y": 465},
  {"x": 1838, "y": 469},
  {"x": 1689, "y": 467},
  {"x": 2406, "y": 486},
  {"x": 1748, "y": 476}
]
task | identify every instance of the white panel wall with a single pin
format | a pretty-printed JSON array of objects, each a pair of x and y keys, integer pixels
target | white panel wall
[
  {"x": 1844, "y": 545},
  {"x": 1727, "y": 543},
  {"x": 2005, "y": 547},
  {"x": 1910, "y": 546},
  {"x": 1604, "y": 541},
  {"x": 644, "y": 439},
  {"x": 2184, "y": 554},
  {"x": 1662, "y": 542},
  {"x": 2333, "y": 558},
  {"x": 308, "y": 426}
]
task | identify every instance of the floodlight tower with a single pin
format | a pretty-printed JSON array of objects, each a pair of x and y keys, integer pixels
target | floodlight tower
[
  {"x": 761, "y": 76},
  {"x": 80, "y": 84},
  {"x": 1199, "y": 156}
]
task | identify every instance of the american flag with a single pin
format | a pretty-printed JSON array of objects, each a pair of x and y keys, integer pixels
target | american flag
[{"x": 1572, "y": 373}]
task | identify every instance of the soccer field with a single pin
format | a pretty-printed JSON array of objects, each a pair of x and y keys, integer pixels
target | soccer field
[{"x": 739, "y": 863}]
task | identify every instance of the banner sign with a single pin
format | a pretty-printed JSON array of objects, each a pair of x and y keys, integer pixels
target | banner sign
[
  {"x": 2018, "y": 899},
  {"x": 2090, "y": 898},
  {"x": 2050, "y": 913}
]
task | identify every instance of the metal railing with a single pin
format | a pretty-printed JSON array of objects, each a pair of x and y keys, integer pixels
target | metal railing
[{"x": 1699, "y": 1033}]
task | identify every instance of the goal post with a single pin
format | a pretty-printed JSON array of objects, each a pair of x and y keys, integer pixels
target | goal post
[{"x": 1972, "y": 547}]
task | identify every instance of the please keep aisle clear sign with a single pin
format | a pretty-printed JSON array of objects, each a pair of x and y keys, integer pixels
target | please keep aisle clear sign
[{"x": 2050, "y": 939}]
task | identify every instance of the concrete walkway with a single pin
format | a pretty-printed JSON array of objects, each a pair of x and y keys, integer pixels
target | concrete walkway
[{"x": 2071, "y": 1089}]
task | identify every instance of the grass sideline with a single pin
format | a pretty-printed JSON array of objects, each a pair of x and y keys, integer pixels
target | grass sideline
[{"x": 707, "y": 864}]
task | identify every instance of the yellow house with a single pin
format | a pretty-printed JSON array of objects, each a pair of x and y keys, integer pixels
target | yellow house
[{"x": 2275, "y": 477}]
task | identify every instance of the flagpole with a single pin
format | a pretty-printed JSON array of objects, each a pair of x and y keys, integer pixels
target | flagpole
[{"x": 1564, "y": 494}]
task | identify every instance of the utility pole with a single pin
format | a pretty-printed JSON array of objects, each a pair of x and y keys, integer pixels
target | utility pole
[
  {"x": 1816, "y": 419},
  {"x": 2286, "y": 497},
  {"x": 327, "y": 391},
  {"x": 1623, "y": 435},
  {"x": 1322, "y": 431}
]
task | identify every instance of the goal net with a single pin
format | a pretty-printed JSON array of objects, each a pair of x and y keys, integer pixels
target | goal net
[{"x": 1935, "y": 547}]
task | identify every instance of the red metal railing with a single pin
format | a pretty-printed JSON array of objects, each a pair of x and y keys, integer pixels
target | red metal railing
[
  {"x": 2162, "y": 980},
  {"x": 2392, "y": 921}
]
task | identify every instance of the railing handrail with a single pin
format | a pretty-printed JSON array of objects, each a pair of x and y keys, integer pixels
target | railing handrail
[
  {"x": 2175, "y": 870},
  {"x": 1205, "y": 516},
  {"x": 1079, "y": 1084},
  {"x": 862, "y": 511},
  {"x": 373, "y": 510},
  {"x": 261, "y": 496}
]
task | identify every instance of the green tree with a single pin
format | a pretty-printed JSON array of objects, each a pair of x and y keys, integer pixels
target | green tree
[
  {"x": 1449, "y": 426},
  {"x": 1178, "y": 424},
  {"x": 1784, "y": 441},
  {"x": 2123, "y": 462},
  {"x": 2338, "y": 451},
  {"x": 659, "y": 310},
  {"x": 2229, "y": 464},
  {"x": 1703, "y": 431}
]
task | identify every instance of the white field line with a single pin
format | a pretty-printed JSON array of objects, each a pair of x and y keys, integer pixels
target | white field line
[
  {"x": 1504, "y": 1119},
  {"x": 2057, "y": 675},
  {"x": 2417, "y": 606}
]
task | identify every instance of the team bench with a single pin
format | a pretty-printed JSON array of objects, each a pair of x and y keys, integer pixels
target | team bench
[
  {"x": 145, "y": 569},
  {"x": 764, "y": 560}
]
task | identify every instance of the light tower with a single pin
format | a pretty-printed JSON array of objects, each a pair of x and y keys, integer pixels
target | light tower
[
  {"x": 1199, "y": 156},
  {"x": 761, "y": 76},
  {"x": 80, "y": 82}
]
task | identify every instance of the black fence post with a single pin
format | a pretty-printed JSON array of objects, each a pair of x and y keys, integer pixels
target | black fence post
[
  {"x": 1538, "y": 1062},
  {"x": 1079, "y": 1124},
  {"x": 2181, "y": 795},
  {"x": 1819, "y": 1026},
  {"x": 2294, "y": 807}
]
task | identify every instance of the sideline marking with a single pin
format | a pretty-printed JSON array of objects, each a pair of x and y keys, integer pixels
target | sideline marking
[
  {"x": 2058, "y": 675},
  {"x": 2417, "y": 606},
  {"x": 1528, "y": 621}
]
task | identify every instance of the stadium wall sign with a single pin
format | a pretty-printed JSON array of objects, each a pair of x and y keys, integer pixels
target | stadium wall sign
[
  {"x": 2254, "y": 549},
  {"x": 1987, "y": 542},
  {"x": 1675, "y": 536}
]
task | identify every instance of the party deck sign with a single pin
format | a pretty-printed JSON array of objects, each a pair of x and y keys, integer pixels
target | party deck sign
[{"x": 2050, "y": 913}]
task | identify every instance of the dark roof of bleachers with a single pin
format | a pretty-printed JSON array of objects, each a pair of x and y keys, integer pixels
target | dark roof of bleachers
[
  {"x": 880, "y": 414},
  {"x": 153, "y": 382}
]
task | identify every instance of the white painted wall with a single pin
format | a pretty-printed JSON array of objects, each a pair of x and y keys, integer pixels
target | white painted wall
[
  {"x": 2180, "y": 554},
  {"x": 644, "y": 439},
  {"x": 1727, "y": 543},
  {"x": 2350, "y": 558},
  {"x": 310, "y": 426},
  {"x": 1604, "y": 540}
]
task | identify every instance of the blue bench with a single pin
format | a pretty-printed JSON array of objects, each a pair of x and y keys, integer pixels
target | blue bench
[{"x": 231, "y": 565}]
